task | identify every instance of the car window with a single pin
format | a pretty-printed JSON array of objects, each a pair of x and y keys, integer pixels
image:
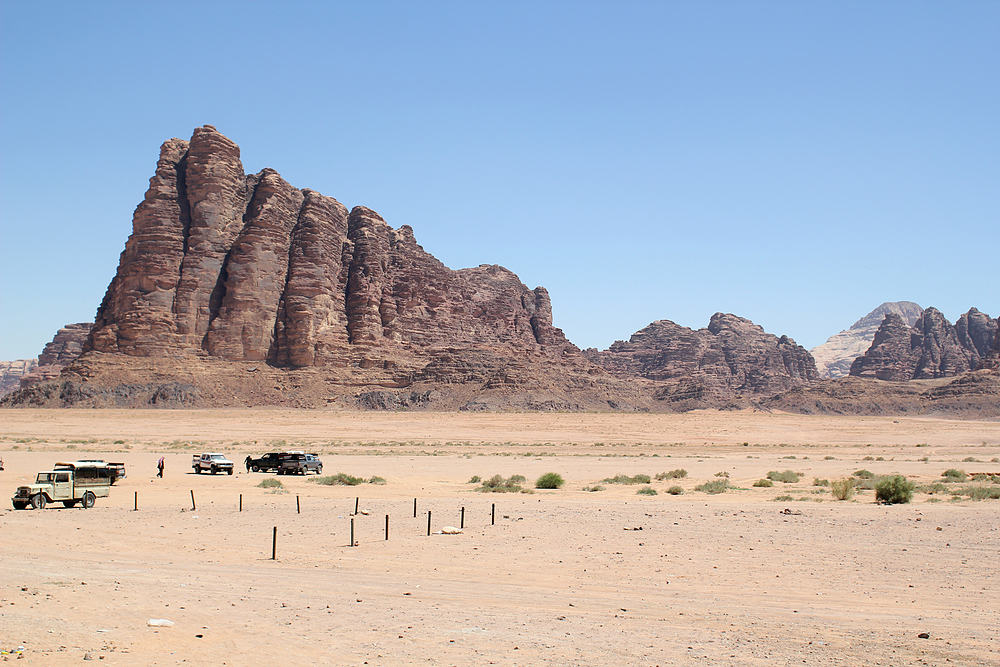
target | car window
[{"x": 62, "y": 477}]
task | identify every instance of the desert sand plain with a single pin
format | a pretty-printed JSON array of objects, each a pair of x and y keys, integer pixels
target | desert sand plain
[{"x": 566, "y": 577}]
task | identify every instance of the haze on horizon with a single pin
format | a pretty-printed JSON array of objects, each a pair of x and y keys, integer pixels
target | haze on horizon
[{"x": 796, "y": 164}]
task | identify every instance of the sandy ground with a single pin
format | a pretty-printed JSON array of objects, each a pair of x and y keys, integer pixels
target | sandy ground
[{"x": 561, "y": 578}]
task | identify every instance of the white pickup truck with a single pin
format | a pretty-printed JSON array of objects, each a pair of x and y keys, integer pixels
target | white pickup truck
[{"x": 213, "y": 463}]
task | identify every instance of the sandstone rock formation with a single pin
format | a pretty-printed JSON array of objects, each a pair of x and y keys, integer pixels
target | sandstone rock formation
[
  {"x": 60, "y": 352},
  {"x": 731, "y": 361},
  {"x": 835, "y": 356},
  {"x": 931, "y": 348},
  {"x": 309, "y": 304},
  {"x": 11, "y": 373}
]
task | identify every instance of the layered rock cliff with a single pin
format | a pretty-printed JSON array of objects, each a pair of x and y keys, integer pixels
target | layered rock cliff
[
  {"x": 733, "y": 361},
  {"x": 60, "y": 352},
  {"x": 931, "y": 348},
  {"x": 11, "y": 373},
  {"x": 243, "y": 289},
  {"x": 835, "y": 356}
]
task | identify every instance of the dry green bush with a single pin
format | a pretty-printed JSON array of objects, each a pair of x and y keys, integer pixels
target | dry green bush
[
  {"x": 893, "y": 490},
  {"x": 842, "y": 489},
  {"x": 675, "y": 491},
  {"x": 625, "y": 479},
  {"x": 673, "y": 474},
  {"x": 766, "y": 483},
  {"x": 787, "y": 476},
  {"x": 713, "y": 487}
]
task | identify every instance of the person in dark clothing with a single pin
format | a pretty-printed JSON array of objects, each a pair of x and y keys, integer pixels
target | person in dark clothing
[
  {"x": 248, "y": 462},
  {"x": 159, "y": 467}
]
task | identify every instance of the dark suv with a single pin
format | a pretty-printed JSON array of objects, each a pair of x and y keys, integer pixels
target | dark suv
[{"x": 267, "y": 463}]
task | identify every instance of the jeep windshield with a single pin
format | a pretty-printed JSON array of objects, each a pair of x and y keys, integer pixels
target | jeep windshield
[{"x": 45, "y": 478}]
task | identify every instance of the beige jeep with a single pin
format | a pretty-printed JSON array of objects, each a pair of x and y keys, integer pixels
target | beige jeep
[{"x": 71, "y": 483}]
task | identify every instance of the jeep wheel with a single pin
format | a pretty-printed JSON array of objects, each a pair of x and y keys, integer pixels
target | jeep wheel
[
  {"x": 230, "y": 471},
  {"x": 255, "y": 468},
  {"x": 69, "y": 503},
  {"x": 88, "y": 500},
  {"x": 214, "y": 470},
  {"x": 38, "y": 502},
  {"x": 197, "y": 470},
  {"x": 18, "y": 505}
]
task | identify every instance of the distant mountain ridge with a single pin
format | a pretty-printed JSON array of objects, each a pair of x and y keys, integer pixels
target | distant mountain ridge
[{"x": 835, "y": 356}]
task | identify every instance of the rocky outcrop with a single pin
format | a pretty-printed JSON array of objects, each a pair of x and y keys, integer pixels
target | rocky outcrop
[
  {"x": 931, "y": 348},
  {"x": 60, "y": 352},
  {"x": 835, "y": 356},
  {"x": 250, "y": 268},
  {"x": 11, "y": 373},
  {"x": 251, "y": 291},
  {"x": 731, "y": 360}
]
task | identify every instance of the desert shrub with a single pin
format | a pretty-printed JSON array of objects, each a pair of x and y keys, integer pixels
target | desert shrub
[
  {"x": 475, "y": 479},
  {"x": 375, "y": 479},
  {"x": 864, "y": 474},
  {"x": 924, "y": 459},
  {"x": 981, "y": 492},
  {"x": 549, "y": 480},
  {"x": 646, "y": 491},
  {"x": 842, "y": 489},
  {"x": 763, "y": 483},
  {"x": 271, "y": 483},
  {"x": 722, "y": 474},
  {"x": 713, "y": 487},
  {"x": 497, "y": 484},
  {"x": 517, "y": 479},
  {"x": 680, "y": 473},
  {"x": 880, "y": 458},
  {"x": 953, "y": 475},
  {"x": 625, "y": 479},
  {"x": 970, "y": 459},
  {"x": 788, "y": 457},
  {"x": 820, "y": 482},
  {"x": 936, "y": 487},
  {"x": 340, "y": 479},
  {"x": 595, "y": 487},
  {"x": 782, "y": 499},
  {"x": 829, "y": 458},
  {"x": 868, "y": 458},
  {"x": 788, "y": 476},
  {"x": 893, "y": 490},
  {"x": 675, "y": 491}
]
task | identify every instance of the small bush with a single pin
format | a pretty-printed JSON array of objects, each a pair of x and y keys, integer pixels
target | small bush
[
  {"x": 981, "y": 492},
  {"x": 893, "y": 490},
  {"x": 788, "y": 457},
  {"x": 829, "y": 458},
  {"x": 646, "y": 491},
  {"x": 868, "y": 458},
  {"x": 375, "y": 479},
  {"x": 680, "y": 473},
  {"x": 713, "y": 487},
  {"x": 764, "y": 483},
  {"x": 675, "y": 491},
  {"x": 549, "y": 480},
  {"x": 476, "y": 479},
  {"x": 820, "y": 482},
  {"x": 497, "y": 484},
  {"x": 782, "y": 499},
  {"x": 340, "y": 479},
  {"x": 271, "y": 483},
  {"x": 842, "y": 489},
  {"x": 596, "y": 487},
  {"x": 625, "y": 479},
  {"x": 788, "y": 476},
  {"x": 864, "y": 474},
  {"x": 970, "y": 459},
  {"x": 722, "y": 474},
  {"x": 936, "y": 487},
  {"x": 953, "y": 475}
]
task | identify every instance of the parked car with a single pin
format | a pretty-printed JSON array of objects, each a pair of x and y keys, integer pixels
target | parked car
[
  {"x": 212, "y": 462},
  {"x": 298, "y": 463},
  {"x": 117, "y": 470},
  {"x": 70, "y": 483},
  {"x": 268, "y": 463}
]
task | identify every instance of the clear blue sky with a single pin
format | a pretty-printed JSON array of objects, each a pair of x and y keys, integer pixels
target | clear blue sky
[{"x": 795, "y": 163}]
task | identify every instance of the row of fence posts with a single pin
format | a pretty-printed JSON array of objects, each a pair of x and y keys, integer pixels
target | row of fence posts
[{"x": 357, "y": 504}]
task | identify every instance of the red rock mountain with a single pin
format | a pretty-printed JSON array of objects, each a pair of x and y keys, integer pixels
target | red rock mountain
[
  {"x": 931, "y": 348},
  {"x": 732, "y": 360}
]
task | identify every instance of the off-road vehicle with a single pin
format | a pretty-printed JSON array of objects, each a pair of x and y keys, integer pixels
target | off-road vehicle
[{"x": 70, "y": 483}]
